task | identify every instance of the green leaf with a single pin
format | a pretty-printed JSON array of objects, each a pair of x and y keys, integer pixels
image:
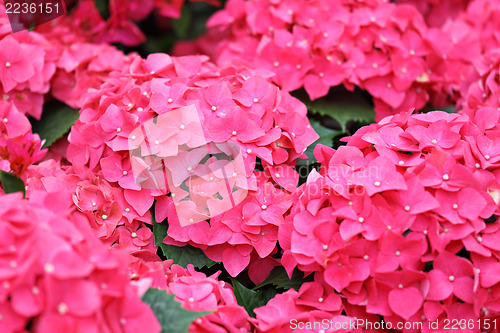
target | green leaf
[
  {"x": 326, "y": 136},
  {"x": 55, "y": 122},
  {"x": 250, "y": 299},
  {"x": 279, "y": 278},
  {"x": 172, "y": 317},
  {"x": 103, "y": 8},
  {"x": 202, "y": 12},
  {"x": 32, "y": 26},
  {"x": 343, "y": 107},
  {"x": 158, "y": 44},
  {"x": 11, "y": 183},
  {"x": 182, "y": 256},
  {"x": 181, "y": 25},
  {"x": 449, "y": 109}
]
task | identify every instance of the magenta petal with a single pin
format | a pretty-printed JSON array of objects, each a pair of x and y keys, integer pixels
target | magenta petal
[
  {"x": 349, "y": 228},
  {"x": 405, "y": 302},
  {"x": 84, "y": 299},
  {"x": 68, "y": 265},
  {"x": 272, "y": 215},
  {"x": 440, "y": 287},
  {"x": 112, "y": 167},
  {"x": 161, "y": 208},
  {"x": 463, "y": 289},
  {"x": 490, "y": 275},
  {"x": 25, "y": 302},
  {"x": 140, "y": 200},
  {"x": 234, "y": 262},
  {"x": 80, "y": 297}
]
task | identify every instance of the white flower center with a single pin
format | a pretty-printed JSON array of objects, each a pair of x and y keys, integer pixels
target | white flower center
[{"x": 62, "y": 308}]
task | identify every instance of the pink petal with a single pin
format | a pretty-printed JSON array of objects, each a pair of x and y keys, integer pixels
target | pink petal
[
  {"x": 234, "y": 262},
  {"x": 68, "y": 265},
  {"x": 405, "y": 302},
  {"x": 440, "y": 287},
  {"x": 141, "y": 201}
]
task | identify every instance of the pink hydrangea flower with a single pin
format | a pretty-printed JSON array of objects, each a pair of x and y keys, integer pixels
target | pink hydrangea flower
[
  {"x": 58, "y": 276},
  {"x": 384, "y": 48},
  {"x": 291, "y": 310},
  {"x": 372, "y": 236},
  {"x": 20, "y": 152},
  {"x": 186, "y": 127}
]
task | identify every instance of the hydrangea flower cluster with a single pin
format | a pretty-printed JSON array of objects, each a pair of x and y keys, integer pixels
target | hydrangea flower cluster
[
  {"x": 480, "y": 96},
  {"x": 404, "y": 193},
  {"x": 296, "y": 309},
  {"x": 242, "y": 237},
  {"x": 384, "y": 48},
  {"x": 18, "y": 153},
  {"x": 52, "y": 61},
  {"x": 27, "y": 64},
  {"x": 57, "y": 277},
  {"x": 116, "y": 21},
  {"x": 83, "y": 66},
  {"x": 131, "y": 238},
  {"x": 473, "y": 29},
  {"x": 121, "y": 139},
  {"x": 99, "y": 203},
  {"x": 197, "y": 292},
  {"x": 436, "y": 13}
]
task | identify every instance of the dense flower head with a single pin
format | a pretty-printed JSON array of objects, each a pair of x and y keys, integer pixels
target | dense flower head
[
  {"x": 480, "y": 93},
  {"x": 80, "y": 64},
  {"x": 94, "y": 204},
  {"x": 114, "y": 21},
  {"x": 82, "y": 67},
  {"x": 384, "y": 48},
  {"x": 408, "y": 191},
  {"x": 18, "y": 153},
  {"x": 436, "y": 13},
  {"x": 57, "y": 277},
  {"x": 478, "y": 19},
  {"x": 183, "y": 127},
  {"x": 53, "y": 60},
  {"x": 311, "y": 309},
  {"x": 197, "y": 292},
  {"x": 28, "y": 63},
  {"x": 244, "y": 234},
  {"x": 99, "y": 203},
  {"x": 471, "y": 46}
]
